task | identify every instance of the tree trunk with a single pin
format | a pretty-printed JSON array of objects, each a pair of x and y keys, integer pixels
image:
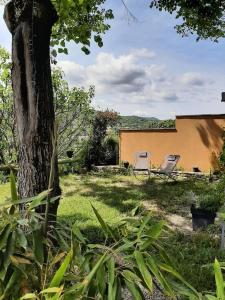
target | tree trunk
[{"x": 30, "y": 23}]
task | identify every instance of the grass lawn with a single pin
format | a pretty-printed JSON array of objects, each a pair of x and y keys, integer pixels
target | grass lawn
[{"x": 114, "y": 196}]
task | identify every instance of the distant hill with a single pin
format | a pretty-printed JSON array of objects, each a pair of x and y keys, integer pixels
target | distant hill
[{"x": 136, "y": 122}]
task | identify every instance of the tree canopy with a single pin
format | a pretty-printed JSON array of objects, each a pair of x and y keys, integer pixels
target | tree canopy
[
  {"x": 79, "y": 21},
  {"x": 7, "y": 128},
  {"x": 205, "y": 18}
]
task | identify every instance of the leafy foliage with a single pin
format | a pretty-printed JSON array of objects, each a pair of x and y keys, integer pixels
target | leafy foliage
[
  {"x": 73, "y": 112},
  {"x": 8, "y": 143},
  {"x": 202, "y": 17},
  {"x": 96, "y": 148},
  {"x": 79, "y": 21},
  {"x": 209, "y": 201}
]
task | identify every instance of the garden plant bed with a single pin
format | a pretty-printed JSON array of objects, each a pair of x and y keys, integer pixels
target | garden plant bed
[{"x": 114, "y": 196}]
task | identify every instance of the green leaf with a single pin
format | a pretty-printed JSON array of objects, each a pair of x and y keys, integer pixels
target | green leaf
[
  {"x": 54, "y": 53},
  {"x": 219, "y": 281},
  {"x": 155, "y": 230},
  {"x": 4, "y": 236},
  {"x": 85, "y": 50},
  {"x": 111, "y": 270},
  {"x": 56, "y": 281},
  {"x": 144, "y": 270},
  {"x": 172, "y": 271},
  {"x": 90, "y": 276},
  {"x": 135, "y": 290},
  {"x": 211, "y": 297},
  {"x": 38, "y": 245},
  {"x": 101, "y": 221},
  {"x": 130, "y": 276},
  {"x": 100, "y": 279},
  {"x": 14, "y": 279},
  {"x": 153, "y": 267},
  {"x": 76, "y": 231},
  {"x": 9, "y": 249},
  {"x": 60, "y": 50},
  {"x": 21, "y": 238},
  {"x": 105, "y": 227},
  {"x": 51, "y": 290},
  {"x": 29, "y": 296},
  {"x": 145, "y": 221},
  {"x": 135, "y": 211},
  {"x": 39, "y": 200},
  {"x": 57, "y": 258}
]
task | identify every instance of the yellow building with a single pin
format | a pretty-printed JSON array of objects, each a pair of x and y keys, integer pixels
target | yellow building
[{"x": 198, "y": 139}]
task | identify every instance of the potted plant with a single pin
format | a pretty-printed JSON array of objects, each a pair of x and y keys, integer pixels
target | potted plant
[
  {"x": 126, "y": 164},
  {"x": 69, "y": 153},
  {"x": 204, "y": 208}
]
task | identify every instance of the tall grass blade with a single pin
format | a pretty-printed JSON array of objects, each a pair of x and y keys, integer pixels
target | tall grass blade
[
  {"x": 56, "y": 281},
  {"x": 144, "y": 270},
  {"x": 219, "y": 281}
]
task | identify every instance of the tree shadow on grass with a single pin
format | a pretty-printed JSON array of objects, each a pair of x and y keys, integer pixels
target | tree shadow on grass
[
  {"x": 70, "y": 219},
  {"x": 124, "y": 194}
]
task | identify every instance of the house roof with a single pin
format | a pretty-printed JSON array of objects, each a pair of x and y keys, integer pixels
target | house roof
[
  {"x": 150, "y": 129},
  {"x": 206, "y": 116}
]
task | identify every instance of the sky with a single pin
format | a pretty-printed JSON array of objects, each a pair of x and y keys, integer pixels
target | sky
[{"x": 145, "y": 68}]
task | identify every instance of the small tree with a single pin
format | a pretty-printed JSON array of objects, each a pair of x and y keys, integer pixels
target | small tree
[
  {"x": 74, "y": 113},
  {"x": 102, "y": 122}
]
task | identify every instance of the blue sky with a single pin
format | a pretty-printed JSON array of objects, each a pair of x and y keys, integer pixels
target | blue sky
[{"x": 145, "y": 68}]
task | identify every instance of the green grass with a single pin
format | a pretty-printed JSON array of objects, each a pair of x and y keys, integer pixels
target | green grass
[
  {"x": 4, "y": 191},
  {"x": 114, "y": 196}
]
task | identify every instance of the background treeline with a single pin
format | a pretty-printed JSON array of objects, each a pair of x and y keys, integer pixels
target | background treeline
[{"x": 144, "y": 122}]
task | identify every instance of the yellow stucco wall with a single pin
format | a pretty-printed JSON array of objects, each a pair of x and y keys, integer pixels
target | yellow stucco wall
[{"x": 198, "y": 139}]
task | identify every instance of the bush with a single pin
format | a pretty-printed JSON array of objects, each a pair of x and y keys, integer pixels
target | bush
[{"x": 99, "y": 146}]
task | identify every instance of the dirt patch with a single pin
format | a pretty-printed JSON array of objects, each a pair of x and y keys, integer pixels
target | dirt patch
[{"x": 175, "y": 221}]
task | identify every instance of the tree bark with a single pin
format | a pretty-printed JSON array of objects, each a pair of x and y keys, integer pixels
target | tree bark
[{"x": 30, "y": 23}]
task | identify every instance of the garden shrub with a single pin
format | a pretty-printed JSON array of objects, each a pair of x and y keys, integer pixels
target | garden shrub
[{"x": 98, "y": 148}]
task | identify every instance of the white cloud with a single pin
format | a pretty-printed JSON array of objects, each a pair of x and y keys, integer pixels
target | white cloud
[
  {"x": 134, "y": 82},
  {"x": 194, "y": 79}
]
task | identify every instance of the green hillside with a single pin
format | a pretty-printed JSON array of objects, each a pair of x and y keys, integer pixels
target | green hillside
[{"x": 136, "y": 122}]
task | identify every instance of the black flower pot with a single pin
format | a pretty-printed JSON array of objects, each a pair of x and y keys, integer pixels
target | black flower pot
[
  {"x": 126, "y": 165},
  {"x": 201, "y": 218},
  {"x": 69, "y": 153}
]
